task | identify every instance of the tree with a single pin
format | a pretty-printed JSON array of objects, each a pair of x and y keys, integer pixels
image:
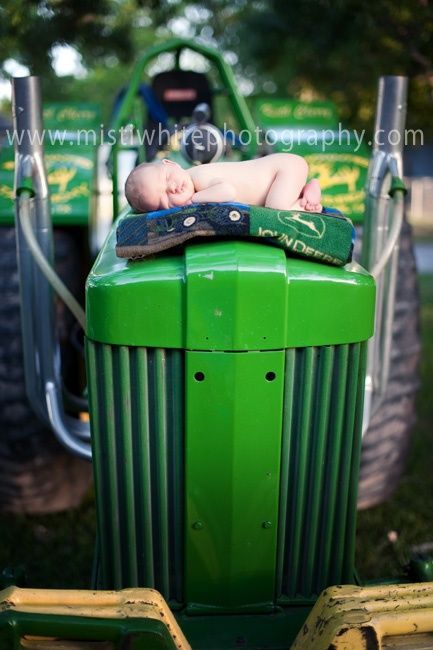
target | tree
[
  {"x": 335, "y": 49},
  {"x": 108, "y": 34},
  {"x": 29, "y": 29},
  {"x": 103, "y": 80},
  {"x": 99, "y": 29},
  {"x": 332, "y": 48}
]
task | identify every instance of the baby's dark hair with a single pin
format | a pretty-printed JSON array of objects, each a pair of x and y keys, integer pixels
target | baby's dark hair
[{"x": 134, "y": 189}]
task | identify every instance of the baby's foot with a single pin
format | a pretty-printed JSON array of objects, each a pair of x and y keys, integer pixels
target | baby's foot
[{"x": 310, "y": 197}]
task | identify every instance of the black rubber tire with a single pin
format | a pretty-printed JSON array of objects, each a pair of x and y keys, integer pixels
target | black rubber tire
[
  {"x": 386, "y": 442},
  {"x": 37, "y": 475}
]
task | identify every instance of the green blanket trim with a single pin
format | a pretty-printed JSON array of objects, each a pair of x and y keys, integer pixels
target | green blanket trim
[{"x": 323, "y": 237}]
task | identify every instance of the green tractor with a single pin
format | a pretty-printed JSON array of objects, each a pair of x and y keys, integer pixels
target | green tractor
[{"x": 226, "y": 381}]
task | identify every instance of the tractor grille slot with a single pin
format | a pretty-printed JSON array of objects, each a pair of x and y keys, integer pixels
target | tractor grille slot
[
  {"x": 138, "y": 465},
  {"x": 319, "y": 468}
]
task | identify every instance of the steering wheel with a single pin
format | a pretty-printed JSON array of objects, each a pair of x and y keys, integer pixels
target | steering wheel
[
  {"x": 202, "y": 142},
  {"x": 199, "y": 142}
]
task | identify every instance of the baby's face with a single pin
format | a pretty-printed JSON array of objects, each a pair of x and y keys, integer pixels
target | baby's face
[{"x": 168, "y": 185}]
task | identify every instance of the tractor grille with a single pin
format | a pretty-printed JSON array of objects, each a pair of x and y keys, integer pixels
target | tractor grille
[
  {"x": 137, "y": 403},
  {"x": 138, "y": 465},
  {"x": 319, "y": 469}
]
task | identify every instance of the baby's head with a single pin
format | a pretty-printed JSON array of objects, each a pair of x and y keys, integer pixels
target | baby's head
[{"x": 158, "y": 186}]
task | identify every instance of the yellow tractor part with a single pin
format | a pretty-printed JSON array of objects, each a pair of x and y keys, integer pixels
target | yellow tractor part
[
  {"x": 108, "y": 605},
  {"x": 370, "y": 618}
]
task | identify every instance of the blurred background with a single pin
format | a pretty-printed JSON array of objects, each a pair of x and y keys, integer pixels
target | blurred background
[{"x": 305, "y": 50}]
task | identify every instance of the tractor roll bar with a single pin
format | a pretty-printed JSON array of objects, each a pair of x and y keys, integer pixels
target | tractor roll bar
[
  {"x": 382, "y": 228},
  {"x": 41, "y": 349},
  {"x": 176, "y": 45}
]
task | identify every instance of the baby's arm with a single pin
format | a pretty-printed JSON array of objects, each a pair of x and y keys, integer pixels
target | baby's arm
[{"x": 218, "y": 190}]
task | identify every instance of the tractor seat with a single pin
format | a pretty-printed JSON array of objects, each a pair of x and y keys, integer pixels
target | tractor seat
[{"x": 179, "y": 92}]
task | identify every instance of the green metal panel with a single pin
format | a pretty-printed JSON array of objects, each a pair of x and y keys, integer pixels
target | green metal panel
[
  {"x": 71, "y": 116},
  {"x": 71, "y": 176},
  {"x": 137, "y": 303},
  {"x": 280, "y": 111},
  {"x": 72, "y": 133},
  {"x": 233, "y": 441},
  {"x": 194, "y": 300},
  {"x": 136, "y": 399},
  {"x": 320, "y": 466},
  {"x": 273, "y": 631},
  {"x": 236, "y": 297}
]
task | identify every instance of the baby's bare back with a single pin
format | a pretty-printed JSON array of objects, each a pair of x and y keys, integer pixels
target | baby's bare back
[{"x": 251, "y": 179}]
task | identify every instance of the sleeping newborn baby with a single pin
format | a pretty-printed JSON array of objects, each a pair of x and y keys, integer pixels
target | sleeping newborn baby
[{"x": 276, "y": 181}]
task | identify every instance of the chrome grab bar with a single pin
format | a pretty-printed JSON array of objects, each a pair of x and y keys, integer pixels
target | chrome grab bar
[
  {"x": 382, "y": 228},
  {"x": 41, "y": 349}
]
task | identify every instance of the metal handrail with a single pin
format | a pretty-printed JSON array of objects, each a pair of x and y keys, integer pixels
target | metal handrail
[
  {"x": 382, "y": 228},
  {"x": 41, "y": 350},
  {"x": 240, "y": 108}
]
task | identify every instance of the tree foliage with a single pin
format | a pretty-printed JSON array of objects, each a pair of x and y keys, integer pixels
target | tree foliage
[
  {"x": 103, "y": 80},
  {"x": 108, "y": 34},
  {"x": 101, "y": 30},
  {"x": 332, "y": 48},
  {"x": 30, "y": 28}
]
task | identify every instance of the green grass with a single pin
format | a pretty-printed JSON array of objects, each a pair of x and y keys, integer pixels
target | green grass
[
  {"x": 53, "y": 550},
  {"x": 57, "y": 550}
]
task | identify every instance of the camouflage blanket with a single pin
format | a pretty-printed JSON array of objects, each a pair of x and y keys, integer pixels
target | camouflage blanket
[{"x": 327, "y": 237}]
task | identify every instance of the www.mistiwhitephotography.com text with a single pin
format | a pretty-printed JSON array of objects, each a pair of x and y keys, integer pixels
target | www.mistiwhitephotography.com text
[{"x": 285, "y": 139}]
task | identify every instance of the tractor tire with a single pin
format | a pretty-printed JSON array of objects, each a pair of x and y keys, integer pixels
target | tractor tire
[
  {"x": 37, "y": 475},
  {"x": 385, "y": 444}
]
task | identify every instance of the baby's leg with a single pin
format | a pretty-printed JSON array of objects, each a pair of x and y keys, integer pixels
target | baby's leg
[
  {"x": 288, "y": 183},
  {"x": 311, "y": 196}
]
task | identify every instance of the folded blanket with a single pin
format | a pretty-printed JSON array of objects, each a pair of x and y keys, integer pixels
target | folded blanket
[{"x": 327, "y": 237}]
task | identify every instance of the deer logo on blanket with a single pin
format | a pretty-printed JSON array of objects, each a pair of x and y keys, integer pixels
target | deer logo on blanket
[{"x": 309, "y": 225}]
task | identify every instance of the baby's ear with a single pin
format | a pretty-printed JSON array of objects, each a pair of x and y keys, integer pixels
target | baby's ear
[{"x": 166, "y": 161}]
